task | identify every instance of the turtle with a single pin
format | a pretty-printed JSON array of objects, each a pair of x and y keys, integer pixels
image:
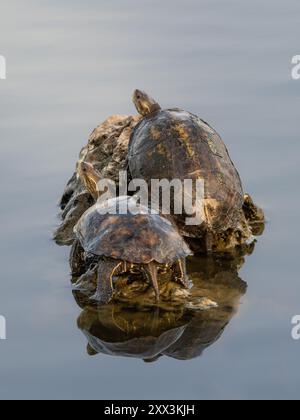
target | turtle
[
  {"x": 134, "y": 240},
  {"x": 176, "y": 144}
]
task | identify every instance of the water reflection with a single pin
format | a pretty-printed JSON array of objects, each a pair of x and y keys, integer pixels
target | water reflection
[{"x": 180, "y": 332}]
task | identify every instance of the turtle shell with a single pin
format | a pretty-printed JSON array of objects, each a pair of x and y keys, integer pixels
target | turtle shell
[
  {"x": 175, "y": 144},
  {"x": 137, "y": 236}
]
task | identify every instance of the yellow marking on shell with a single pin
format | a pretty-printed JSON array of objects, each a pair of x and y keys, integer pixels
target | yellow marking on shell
[
  {"x": 220, "y": 178},
  {"x": 111, "y": 220},
  {"x": 212, "y": 146},
  {"x": 155, "y": 133},
  {"x": 161, "y": 149},
  {"x": 152, "y": 240},
  {"x": 124, "y": 231},
  {"x": 185, "y": 136},
  {"x": 210, "y": 206},
  {"x": 182, "y": 131},
  {"x": 197, "y": 174},
  {"x": 140, "y": 218}
]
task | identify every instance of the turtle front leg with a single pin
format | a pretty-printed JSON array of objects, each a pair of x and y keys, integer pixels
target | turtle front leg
[
  {"x": 106, "y": 271},
  {"x": 151, "y": 273},
  {"x": 182, "y": 273}
]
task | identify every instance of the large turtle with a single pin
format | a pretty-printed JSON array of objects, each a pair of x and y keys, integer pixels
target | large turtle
[
  {"x": 134, "y": 239},
  {"x": 175, "y": 144}
]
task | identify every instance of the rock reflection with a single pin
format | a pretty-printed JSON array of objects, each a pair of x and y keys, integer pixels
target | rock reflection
[{"x": 183, "y": 331}]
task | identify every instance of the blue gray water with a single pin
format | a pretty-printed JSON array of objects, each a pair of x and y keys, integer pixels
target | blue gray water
[{"x": 69, "y": 66}]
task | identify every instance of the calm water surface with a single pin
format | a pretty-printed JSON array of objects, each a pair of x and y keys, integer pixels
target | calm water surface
[{"x": 70, "y": 65}]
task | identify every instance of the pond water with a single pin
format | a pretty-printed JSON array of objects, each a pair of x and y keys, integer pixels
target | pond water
[{"x": 69, "y": 66}]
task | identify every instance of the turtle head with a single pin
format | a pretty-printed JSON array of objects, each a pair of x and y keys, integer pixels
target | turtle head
[
  {"x": 90, "y": 177},
  {"x": 144, "y": 104}
]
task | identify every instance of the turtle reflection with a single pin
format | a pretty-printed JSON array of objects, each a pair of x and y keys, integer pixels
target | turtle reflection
[{"x": 181, "y": 332}]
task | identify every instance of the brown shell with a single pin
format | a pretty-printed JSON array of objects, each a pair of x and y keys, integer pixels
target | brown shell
[
  {"x": 139, "y": 238},
  {"x": 175, "y": 144}
]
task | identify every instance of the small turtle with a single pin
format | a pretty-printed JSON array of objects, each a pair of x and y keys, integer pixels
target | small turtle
[
  {"x": 175, "y": 144},
  {"x": 137, "y": 239}
]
